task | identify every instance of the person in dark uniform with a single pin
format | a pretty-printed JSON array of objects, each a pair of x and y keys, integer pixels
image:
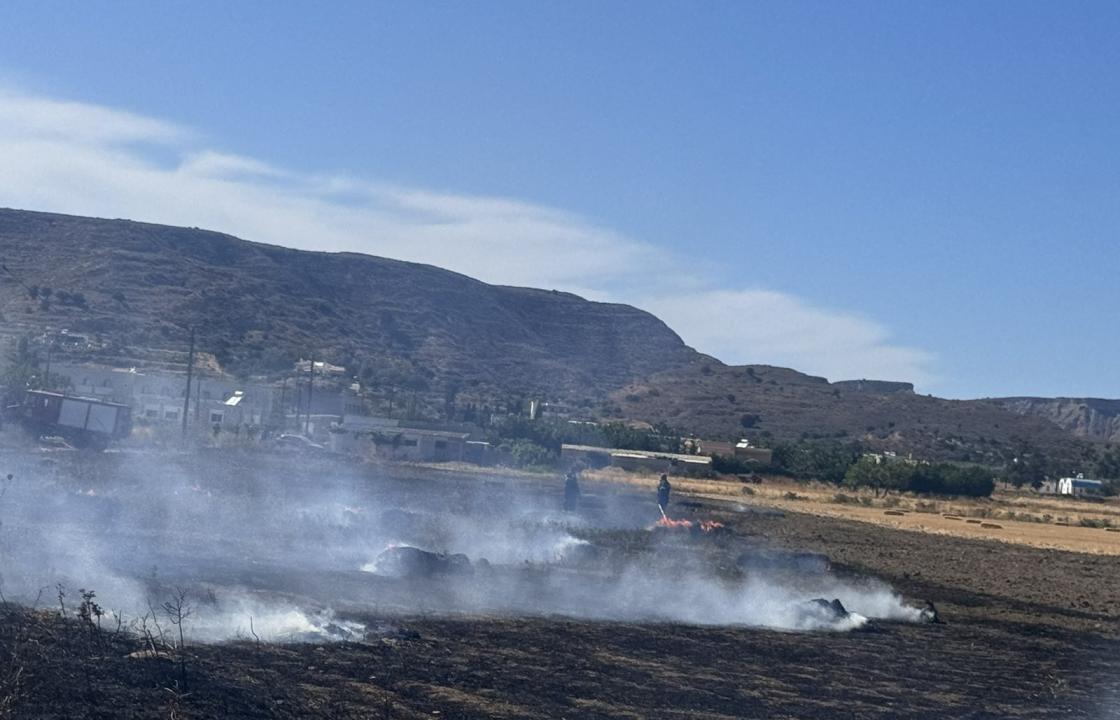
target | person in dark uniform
[
  {"x": 571, "y": 490},
  {"x": 663, "y": 489}
]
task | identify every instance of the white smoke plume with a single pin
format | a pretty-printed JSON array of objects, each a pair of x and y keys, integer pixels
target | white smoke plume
[{"x": 269, "y": 550}]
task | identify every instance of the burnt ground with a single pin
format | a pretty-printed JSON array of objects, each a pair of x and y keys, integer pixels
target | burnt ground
[{"x": 1029, "y": 633}]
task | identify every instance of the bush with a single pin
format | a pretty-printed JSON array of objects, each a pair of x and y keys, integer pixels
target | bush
[
  {"x": 729, "y": 465},
  {"x": 528, "y": 454}
]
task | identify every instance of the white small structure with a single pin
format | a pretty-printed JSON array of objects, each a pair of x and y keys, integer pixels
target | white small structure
[{"x": 1080, "y": 486}]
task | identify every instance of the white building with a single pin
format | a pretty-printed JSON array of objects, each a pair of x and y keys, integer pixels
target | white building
[
  {"x": 157, "y": 397},
  {"x": 1080, "y": 486}
]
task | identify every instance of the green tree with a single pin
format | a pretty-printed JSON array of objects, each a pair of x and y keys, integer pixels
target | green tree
[
  {"x": 21, "y": 368},
  {"x": 878, "y": 475},
  {"x": 1108, "y": 464},
  {"x": 1029, "y": 466}
]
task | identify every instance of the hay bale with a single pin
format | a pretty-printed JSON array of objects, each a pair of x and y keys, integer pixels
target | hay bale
[
  {"x": 893, "y": 512},
  {"x": 951, "y": 517},
  {"x": 991, "y": 526},
  {"x": 973, "y": 521},
  {"x": 1112, "y": 529}
]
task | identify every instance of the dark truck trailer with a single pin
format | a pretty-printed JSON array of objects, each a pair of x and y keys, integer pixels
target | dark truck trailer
[{"x": 83, "y": 422}]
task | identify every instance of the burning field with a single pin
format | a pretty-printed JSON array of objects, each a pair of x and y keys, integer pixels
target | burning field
[{"x": 331, "y": 590}]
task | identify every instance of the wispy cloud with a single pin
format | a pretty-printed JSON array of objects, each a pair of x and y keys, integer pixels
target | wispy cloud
[
  {"x": 753, "y": 326},
  {"x": 87, "y": 159}
]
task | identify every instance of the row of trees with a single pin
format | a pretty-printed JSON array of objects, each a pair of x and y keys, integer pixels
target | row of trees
[{"x": 939, "y": 479}]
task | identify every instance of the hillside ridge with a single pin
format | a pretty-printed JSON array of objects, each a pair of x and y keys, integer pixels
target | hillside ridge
[{"x": 135, "y": 288}]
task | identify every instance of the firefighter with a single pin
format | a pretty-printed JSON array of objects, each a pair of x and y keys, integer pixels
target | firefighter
[
  {"x": 571, "y": 490},
  {"x": 663, "y": 489}
]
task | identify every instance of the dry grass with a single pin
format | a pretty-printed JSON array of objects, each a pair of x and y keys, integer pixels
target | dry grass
[{"x": 1038, "y": 521}]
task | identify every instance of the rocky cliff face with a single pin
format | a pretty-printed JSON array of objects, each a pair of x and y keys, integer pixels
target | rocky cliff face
[
  {"x": 1088, "y": 418},
  {"x": 259, "y": 307}
]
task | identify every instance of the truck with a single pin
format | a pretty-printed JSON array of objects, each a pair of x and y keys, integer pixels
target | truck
[{"x": 83, "y": 422}]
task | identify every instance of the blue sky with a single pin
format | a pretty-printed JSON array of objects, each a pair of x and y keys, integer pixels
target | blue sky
[{"x": 914, "y": 191}]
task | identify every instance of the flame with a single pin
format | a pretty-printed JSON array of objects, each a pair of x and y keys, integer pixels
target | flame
[{"x": 668, "y": 522}]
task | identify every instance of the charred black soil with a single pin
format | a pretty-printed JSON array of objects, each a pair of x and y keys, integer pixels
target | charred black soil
[{"x": 1028, "y": 634}]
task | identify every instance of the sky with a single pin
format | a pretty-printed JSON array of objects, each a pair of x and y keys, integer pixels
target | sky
[{"x": 920, "y": 191}]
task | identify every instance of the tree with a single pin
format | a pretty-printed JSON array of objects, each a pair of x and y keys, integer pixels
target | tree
[
  {"x": 1108, "y": 464},
  {"x": 876, "y": 474},
  {"x": 21, "y": 367},
  {"x": 178, "y": 610},
  {"x": 450, "y": 392},
  {"x": 1028, "y": 467}
]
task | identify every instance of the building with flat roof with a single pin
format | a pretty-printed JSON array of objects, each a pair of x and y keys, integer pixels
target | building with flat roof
[{"x": 1080, "y": 486}]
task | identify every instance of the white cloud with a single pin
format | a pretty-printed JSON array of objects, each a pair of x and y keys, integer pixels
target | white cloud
[
  {"x": 86, "y": 159},
  {"x": 762, "y": 326}
]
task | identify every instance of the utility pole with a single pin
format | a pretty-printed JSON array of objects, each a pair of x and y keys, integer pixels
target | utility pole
[
  {"x": 187, "y": 394},
  {"x": 299, "y": 400},
  {"x": 310, "y": 386},
  {"x": 283, "y": 404},
  {"x": 47, "y": 373}
]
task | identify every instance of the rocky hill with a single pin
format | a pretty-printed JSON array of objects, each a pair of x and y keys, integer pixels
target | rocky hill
[
  {"x": 759, "y": 401},
  {"x": 139, "y": 286},
  {"x": 133, "y": 289},
  {"x": 1089, "y": 418}
]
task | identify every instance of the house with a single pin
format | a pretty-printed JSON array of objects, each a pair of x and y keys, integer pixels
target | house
[
  {"x": 420, "y": 445},
  {"x": 745, "y": 451},
  {"x": 1080, "y": 486},
  {"x": 353, "y": 435},
  {"x": 157, "y": 397},
  {"x": 712, "y": 448},
  {"x": 322, "y": 369}
]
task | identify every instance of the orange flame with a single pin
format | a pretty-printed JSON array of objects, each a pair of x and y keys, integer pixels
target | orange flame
[{"x": 668, "y": 522}]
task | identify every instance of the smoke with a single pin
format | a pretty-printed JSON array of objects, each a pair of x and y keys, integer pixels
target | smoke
[
  {"x": 639, "y": 590},
  {"x": 278, "y": 551}
]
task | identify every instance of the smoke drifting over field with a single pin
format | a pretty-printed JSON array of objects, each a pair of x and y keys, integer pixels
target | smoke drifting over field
[{"x": 288, "y": 551}]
